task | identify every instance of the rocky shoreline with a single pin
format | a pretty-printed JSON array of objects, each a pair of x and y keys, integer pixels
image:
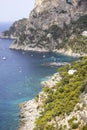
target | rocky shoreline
[
  {"x": 30, "y": 110},
  {"x": 52, "y": 81},
  {"x": 17, "y": 46},
  {"x": 27, "y": 48},
  {"x": 7, "y": 37},
  {"x": 28, "y": 114},
  {"x": 55, "y": 64},
  {"x": 50, "y": 24}
]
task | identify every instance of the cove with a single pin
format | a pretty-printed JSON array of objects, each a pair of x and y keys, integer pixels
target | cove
[{"x": 20, "y": 76}]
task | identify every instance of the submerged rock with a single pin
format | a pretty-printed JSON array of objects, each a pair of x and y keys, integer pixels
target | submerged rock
[{"x": 56, "y": 64}]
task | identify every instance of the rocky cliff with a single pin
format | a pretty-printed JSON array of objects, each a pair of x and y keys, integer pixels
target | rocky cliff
[
  {"x": 50, "y": 24},
  {"x": 62, "y": 104}
]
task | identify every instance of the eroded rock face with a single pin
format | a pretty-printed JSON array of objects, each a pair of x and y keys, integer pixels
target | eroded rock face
[
  {"x": 41, "y": 5},
  {"x": 49, "y": 18}
]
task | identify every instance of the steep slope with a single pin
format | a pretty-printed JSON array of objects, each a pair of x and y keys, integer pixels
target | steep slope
[
  {"x": 16, "y": 29},
  {"x": 50, "y": 23},
  {"x": 62, "y": 104},
  {"x": 65, "y": 107}
]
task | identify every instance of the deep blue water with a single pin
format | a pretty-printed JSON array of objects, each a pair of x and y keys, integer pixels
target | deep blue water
[{"x": 20, "y": 77}]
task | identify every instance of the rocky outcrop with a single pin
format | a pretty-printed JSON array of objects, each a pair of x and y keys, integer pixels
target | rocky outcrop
[
  {"x": 17, "y": 28},
  {"x": 77, "y": 118},
  {"x": 31, "y": 110},
  {"x": 84, "y": 33},
  {"x": 52, "y": 81},
  {"x": 49, "y": 24},
  {"x": 55, "y": 64},
  {"x": 28, "y": 114}
]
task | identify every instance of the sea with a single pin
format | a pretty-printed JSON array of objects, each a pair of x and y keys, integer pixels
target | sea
[{"x": 20, "y": 76}]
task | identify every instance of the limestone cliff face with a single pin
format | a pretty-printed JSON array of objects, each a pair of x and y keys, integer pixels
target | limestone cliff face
[
  {"x": 49, "y": 24},
  {"x": 41, "y": 5}
]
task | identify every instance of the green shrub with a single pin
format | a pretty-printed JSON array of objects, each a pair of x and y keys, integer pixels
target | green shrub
[
  {"x": 37, "y": 97},
  {"x": 75, "y": 125},
  {"x": 84, "y": 127},
  {"x": 71, "y": 120},
  {"x": 55, "y": 31},
  {"x": 66, "y": 96}
]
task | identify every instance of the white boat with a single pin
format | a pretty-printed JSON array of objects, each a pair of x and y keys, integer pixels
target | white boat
[
  {"x": 44, "y": 56},
  {"x": 4, "y": 58}
]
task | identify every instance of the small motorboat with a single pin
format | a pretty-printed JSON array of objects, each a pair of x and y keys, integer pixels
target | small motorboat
[
  {"x": 44, "y": 56},
  {"x": 3, "y": 58}
]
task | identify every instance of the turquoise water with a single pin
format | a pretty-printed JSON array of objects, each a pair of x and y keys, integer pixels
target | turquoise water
[{"x": 20, "y": 76}]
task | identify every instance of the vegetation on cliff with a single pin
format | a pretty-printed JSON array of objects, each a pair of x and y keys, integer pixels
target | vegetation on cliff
[
  {"x": 78, "y": 44},
  {"x": 50, "y": 25},
  {"x": 17, "y": 28},
  {"x": 55, "y": 25},
  {"x": 75, "y": 40},
  {"x": 62, "y": 99}
]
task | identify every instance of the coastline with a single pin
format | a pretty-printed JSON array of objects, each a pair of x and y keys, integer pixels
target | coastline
[
  {"x": 28, "y": 114},
  {"x": 15, "y": 46},
  {"x": 7, "y": 37},
  {"x": 30, "y": 110},
  {"x": 49, "y": 24}
]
